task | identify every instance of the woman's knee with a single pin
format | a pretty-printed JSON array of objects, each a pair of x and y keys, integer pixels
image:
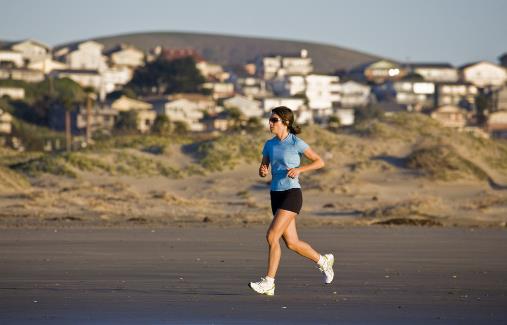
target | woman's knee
[
  {"x": 292, "y": 244},
  {"x": 272, "y": 237}
]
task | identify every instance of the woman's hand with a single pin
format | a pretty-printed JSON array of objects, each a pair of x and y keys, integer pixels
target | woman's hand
[
  {"x": 263, "y": 170},
  {"x": 293, "y": 172}
]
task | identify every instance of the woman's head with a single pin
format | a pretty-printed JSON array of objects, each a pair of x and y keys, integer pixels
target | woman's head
[{"x": 285, "y": 120}]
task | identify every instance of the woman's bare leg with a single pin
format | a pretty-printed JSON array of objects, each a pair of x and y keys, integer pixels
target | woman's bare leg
[
  {"x": 278, "y": 226},
  {"x": 290, "y": 236}
]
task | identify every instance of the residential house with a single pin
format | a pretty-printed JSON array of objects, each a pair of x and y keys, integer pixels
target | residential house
[
  {"x": 203, "y": 102},
  {"x": 484, "y": 74},
  {"x": 212, "y": 71},
  {"x": 321, "y": 91},
  {"x": 83, "y": 56},
  {"x": 354, "y": 94},
  {"x": 145, "y": 114},
  {"x": 252, "y": 87},
  {"x": 248, "y": 107},
  {"x": 32, "y": 51},
  {"x": 114, "y": 78},
  {"x": 414, "y": 93},
  {"x": 497, "y": 124},
  {"x": 12, "y": 92},
  {"x": 11, "y": 59},
  {"x": 378, "y": 71},
  {"x": 297, "y": 105},
  {"x": 85, "y": 78},
  {"x": 124, "y": 55},
  {"x": 24, "y": 74},
  {"x": 435, "y": 72},
  {"x": 47, "y": 65},
  {"x": 345, "y": 115},
  {"x": 450, "y": 116},
  {"x": 221, "y": 121},
  {"x": 181, "y": 110},
  {"x": 456, "y": 93},
  {"x": 5, "y": 122},
  {"x": 219, "y": 90},
  {"x": 270, "y": 66},
  {"x": 102, "y": 118}
]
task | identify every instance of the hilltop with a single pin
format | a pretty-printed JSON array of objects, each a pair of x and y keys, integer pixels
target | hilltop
[{"x": 237, "y": 50}]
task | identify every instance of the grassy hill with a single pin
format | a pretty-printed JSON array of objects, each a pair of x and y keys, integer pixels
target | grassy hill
[{"x": 234, "y": 50}]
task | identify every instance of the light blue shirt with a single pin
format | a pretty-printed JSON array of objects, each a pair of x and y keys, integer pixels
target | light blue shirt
[{"x": 284, "y": 154}]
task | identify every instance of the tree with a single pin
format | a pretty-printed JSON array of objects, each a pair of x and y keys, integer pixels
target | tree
[
  {"x": 127, "y": 121},
  {"x": 165, "y": 77},
  {"x": 162, "y": 125},
  {"x": 484, "y": 105},
  {"x": 180, "y": 127}
]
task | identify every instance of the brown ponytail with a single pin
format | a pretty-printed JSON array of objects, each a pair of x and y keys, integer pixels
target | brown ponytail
[{"x": 287, "y": 117}]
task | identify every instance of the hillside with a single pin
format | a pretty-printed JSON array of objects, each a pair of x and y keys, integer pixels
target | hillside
[
  {"x": 404, "y": 169},
  {"x": 234, "y": 50}
]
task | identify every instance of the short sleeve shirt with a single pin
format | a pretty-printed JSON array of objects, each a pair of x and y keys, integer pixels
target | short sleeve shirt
[{"x": 284, "y": 154}]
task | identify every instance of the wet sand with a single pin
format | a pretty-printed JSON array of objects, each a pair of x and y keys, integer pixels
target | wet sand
[{"x": 384, "y": 275}]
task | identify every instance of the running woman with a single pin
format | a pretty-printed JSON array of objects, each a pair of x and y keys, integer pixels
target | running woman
[{"x": 283, "y": 153}]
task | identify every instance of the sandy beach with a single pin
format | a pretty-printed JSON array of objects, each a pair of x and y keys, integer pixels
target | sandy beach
[{"x": 199, "y": 275}]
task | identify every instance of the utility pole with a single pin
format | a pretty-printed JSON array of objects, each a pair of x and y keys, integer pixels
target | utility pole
[{"x": 88, "y": 118}]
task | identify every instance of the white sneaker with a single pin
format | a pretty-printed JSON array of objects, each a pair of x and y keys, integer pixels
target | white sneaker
[
  {"x": 263, "y": 287},
  {"x": 327, "y": 268}
]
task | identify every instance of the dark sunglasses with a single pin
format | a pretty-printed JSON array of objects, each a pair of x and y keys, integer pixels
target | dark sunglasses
[{"x": 274, "y": 119}]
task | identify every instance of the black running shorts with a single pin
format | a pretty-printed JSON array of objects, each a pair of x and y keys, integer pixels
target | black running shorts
[{"x": 291, "y": 200}]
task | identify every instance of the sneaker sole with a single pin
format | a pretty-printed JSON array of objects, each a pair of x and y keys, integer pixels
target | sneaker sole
[{"x": 270, "y": 292}]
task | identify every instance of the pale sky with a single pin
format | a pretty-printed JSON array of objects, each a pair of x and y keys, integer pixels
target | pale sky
[{"x": 454, "y": 31}]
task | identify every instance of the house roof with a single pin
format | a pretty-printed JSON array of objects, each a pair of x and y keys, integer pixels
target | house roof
[
  {"x": 76, "y": 71},
  {"x": 474, "y": 63},
  {"x": 121, "y": 47},
  {"x": 9, "y": 45},
  {"x": 435, "y": 65}
]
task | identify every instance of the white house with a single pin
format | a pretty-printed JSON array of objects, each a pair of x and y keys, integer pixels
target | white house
[
  {"x": 47, "y": 65},
  {"x": 450, "y": 116},
  {"x": 181, "y": 110},
  {"x": 125, "y": 55},
  {"x": 32, "y": 51},
  {"x": 125, "y": 104},
  {"x": 415, "y": 94},
  {"x": 115, "y": 77},
  {"x": 248, "y": 107},
  {"x": 85, "y": 78},
  {"x": 12, "y": 92},
  {"x": 322, "y": 92},
  {"x": 24, "y": 74},
  {"x": 455, "y": 93},
  {"x": 219, "y": 89},
  {"x": 354, "y": 94},
  {"x": 84, "y": 56},
  {"x": 5, "y": 122},
  {"x": 378, "y": 71},
  {"x": 252, "y": 87},
  {"x": 345, "y": 115},
  {"x": 484, "y": 74},
  {"x": 497, "y": 124},
  {"x": 270, "y": 66},
  {"x": 436, "y": 72},
  {"x": 10, "y": 58},
  {"x": 297, "y": 105}
]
